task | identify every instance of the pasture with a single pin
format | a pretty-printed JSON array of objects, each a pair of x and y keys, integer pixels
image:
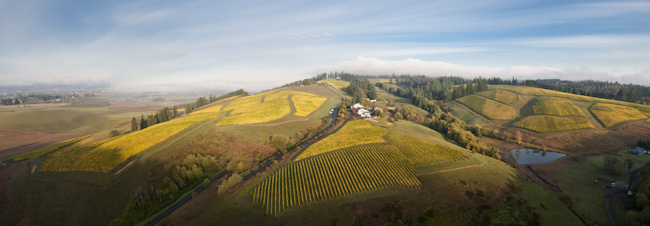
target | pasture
[
  {"x": 502, "y": 96},
  {"x": 556, "y": 106},
  {"x": 611, "y": 114},
  {"x": 338, "y": 84},
  {"x": 353, "y": 133},
  {"x": 549, "y": 123},
  {"x": 488, "y": 108}
]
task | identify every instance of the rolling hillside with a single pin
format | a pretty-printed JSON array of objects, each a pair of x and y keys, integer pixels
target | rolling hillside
[{"x": 544, "y": 111}]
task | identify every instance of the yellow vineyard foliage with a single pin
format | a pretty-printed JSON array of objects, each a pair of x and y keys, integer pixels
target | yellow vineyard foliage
[
  {"x": 556, "y": 106},
  {"x": 338, "y": 84},
  {"x": 105, "y": 155},
  {"x": 611, "y": 114},
  {"x": 353, "y": 133},
  {"x": 305, "y": 104},
  {"x": 501, "y": 96},
  {"x": 269, "y": 106},
  {"x": 548, "y": 123},
  {"x": 488, "y": 108}
]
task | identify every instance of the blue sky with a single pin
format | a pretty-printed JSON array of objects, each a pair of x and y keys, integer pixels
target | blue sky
[{"x": 179, "y": 45}]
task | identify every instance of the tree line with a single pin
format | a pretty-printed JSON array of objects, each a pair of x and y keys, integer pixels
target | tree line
[
  {"x": 624, "y": 92},
  {"x": 423, "y": 91}
]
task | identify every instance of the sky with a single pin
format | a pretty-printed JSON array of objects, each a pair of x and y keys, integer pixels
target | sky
[{"x": 146, "y": 45}]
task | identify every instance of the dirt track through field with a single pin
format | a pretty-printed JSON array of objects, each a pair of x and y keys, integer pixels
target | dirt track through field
[
  {"x": 450, "y": 170},
  {"x": 123, "y": 168}
]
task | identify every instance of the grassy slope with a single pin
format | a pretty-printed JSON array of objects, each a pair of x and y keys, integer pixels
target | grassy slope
[
  {"x": 352, "y": 133},
  {"x": 488, "y": 108},
  {"x": 578, "y": 179},
  {"x": 549, "y": 123},
  {"x": 556, "y": 106},
  {"x": 611, "y": 114}
]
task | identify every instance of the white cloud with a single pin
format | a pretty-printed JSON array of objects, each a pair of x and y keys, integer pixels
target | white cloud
[{"x": 373, "y": 66}]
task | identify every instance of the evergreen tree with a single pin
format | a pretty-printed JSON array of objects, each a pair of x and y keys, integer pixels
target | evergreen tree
[
  {"x": 134, "y": 124},
  {"x": 143, "y": 122}
]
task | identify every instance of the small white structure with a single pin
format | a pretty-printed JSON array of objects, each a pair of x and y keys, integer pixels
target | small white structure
[
  {"x": 373, "y": 101},
  {"x": 620, "y": 184},
  {"x": 364, "y": 113},
  {"x": 357, "y": 106}
]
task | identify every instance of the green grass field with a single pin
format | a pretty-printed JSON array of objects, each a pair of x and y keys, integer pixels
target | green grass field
[
  {"x": 338, "y": 84},
  {"x": 611, "y": 114},
  {"x": 556, "y": 106},
  {"x": 104, "y": 156},
  {"x": 333, "y": 175},
  {"x": 548, "y": 123},
  {"x": 353, "y": 133},
  {"x": 502, "y": 96},
  {"x": 488, "y": 108}
]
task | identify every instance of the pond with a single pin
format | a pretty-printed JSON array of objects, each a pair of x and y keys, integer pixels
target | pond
[{"x": 530, "y": 156}]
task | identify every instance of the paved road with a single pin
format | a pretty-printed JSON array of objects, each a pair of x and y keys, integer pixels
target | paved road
[
  {"x": 188, "y": 197},
  {"x": 634, "y": 175}
]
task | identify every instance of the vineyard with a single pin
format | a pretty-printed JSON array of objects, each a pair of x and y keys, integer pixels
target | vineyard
[
  {"x": 269, "y": 106},
  {"x": 105, "y": 155},
  {"x": 420, "y": 152},
  {"x": 335, "y": 174},
  {"x": 338, "y": 84},
  {"x": 305, "y": 103},
  {"x": 350, "y": 171},
  {"x": 353, "y": 133},
  {"x": 488, "y": 108},
  {"x": 212, "y": 109},
  {"x": 611, "y": 114},
  {"x": 556, "y": 106},
  {"x": 544, "y": 92},
  {"x": 46, "y": 150},
  {"x": 501, "y": 96},
  {"x": 548, "y": 123}
]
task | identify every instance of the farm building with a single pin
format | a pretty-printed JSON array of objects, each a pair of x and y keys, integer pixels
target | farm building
[
  {"x": 638, "y": 151},
  {"x": 360, "y": 110}
]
